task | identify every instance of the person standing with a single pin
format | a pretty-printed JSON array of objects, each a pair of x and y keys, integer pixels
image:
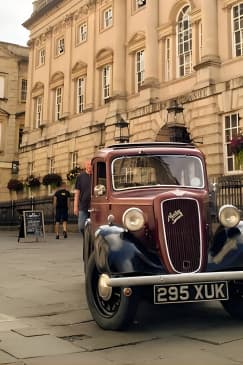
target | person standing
[
  {"x": 82, "y": 195},
  {"x": 61, "y": 202}
]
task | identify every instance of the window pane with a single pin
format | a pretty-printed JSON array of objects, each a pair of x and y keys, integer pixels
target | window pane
[
  {"x": 234, "y": 120},
  {"x": 235, "y": 11},
  {"x": 230, "y": 164},
  {"x": 227, "y": 122}
]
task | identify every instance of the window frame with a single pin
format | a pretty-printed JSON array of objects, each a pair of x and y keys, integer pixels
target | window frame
[
  {"x": 3, "y": 78},
  {"x": 51, "y": 165},
  {"x": 23, "y": 91},
  {"x": 183, "y": 39},
  {"x": 73, "y": 159},
  {"x": 41, "y": 57},
  {"x": 81, "y": 93},
  {"x": 200, "y": 40},
  {"x": 229, "y": 132},
  {"x": 1, "y": 134},
  {"x": 106, "y": 82},
  {"x": 139, "y": 4},
  {"x": 107, "y": 20},
  {"x": 168, "y": 59},
  {"x": 60, "y": 46},
  {"x": 139, "y": 69},
  {"x": 82, "y": 35},
  {"x": 240, "y": 30},
  {"x": 38, "y": 111},
  {"x": 58, "y": 103}
]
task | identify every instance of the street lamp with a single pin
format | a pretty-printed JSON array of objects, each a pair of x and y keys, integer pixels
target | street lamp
[
  {"x": 121, "y": 130},
  {"x": 176, "y": 123}
]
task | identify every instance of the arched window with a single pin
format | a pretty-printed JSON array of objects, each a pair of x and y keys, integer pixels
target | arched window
[{"x": 184, "y": 42}]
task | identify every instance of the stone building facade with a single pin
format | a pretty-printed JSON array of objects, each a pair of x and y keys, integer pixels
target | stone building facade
[
  {"x": 93, "y": 62},
  {"x": 13, "y": 92}
]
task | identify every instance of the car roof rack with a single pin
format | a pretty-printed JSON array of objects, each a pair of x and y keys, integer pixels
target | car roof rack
[{"x": 150, "y": 144}]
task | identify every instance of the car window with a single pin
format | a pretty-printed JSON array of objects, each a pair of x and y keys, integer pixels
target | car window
[
  {"x": 101, "y": 173},
  {"x": 157, "y": 170}
]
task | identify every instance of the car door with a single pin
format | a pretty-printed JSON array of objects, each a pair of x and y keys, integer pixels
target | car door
[{"x": 99, "y": 196}]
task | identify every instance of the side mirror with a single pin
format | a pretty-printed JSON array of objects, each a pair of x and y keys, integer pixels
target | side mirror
[{"x": 99, "y": 190}]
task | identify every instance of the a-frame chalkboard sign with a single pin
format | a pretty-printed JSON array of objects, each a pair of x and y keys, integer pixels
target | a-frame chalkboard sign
[{"x": 32, "y": 225}]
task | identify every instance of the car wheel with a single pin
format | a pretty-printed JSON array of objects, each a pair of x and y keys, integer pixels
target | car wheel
[
  {"x": 115, "y": 313},
  {"x": 234, "y": 306}
]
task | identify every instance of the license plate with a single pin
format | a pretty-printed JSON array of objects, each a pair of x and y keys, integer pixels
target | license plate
[{"x": 190, "y": 292}]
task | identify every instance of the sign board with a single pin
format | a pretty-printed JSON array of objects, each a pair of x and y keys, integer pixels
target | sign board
[{"x": 33, "y": 223}]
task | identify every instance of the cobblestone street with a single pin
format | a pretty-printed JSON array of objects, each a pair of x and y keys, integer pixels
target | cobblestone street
[{"x": 44, "y": 319}]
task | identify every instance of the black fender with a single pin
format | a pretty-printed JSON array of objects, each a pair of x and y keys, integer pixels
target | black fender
[
  {"x": 118, "y": 252},
  {"x": 87, "y": 242},
  {"x": 226, "y": 251}
]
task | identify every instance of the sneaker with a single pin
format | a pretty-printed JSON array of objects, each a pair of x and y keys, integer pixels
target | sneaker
[
  {"x": 64, "y": 234},
  {"x": 57, "y": 237}
]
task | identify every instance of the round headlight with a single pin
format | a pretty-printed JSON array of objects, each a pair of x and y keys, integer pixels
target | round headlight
[
  {"x": 133, "y": 219},
  {"x": 229, "y": 216}
]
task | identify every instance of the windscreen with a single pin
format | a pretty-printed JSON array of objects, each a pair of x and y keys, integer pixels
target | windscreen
[{"x": 157, "y": 170}]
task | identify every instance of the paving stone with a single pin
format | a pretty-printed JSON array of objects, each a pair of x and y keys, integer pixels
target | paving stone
[
  {"x": 58, "y": 331},
  {"x": 73, "y": 359},
  {"x": 77, "y": 316},
  {"x": 5, "y": 317},
  {"x": 93, "y": 338},
  {"x": 24, "y": 347},
  {"x": 30, "y": 331},
  {"x": 233, "y": 351},
  {"x": 6, "y": 358},
  {"x": 12, "y": 325},
  {"x": 218, "y": 336}
]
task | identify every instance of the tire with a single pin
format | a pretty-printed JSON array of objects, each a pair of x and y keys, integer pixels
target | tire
[
  {"x": 116, "y": 313},
  {"x": 234, "y": 306}
]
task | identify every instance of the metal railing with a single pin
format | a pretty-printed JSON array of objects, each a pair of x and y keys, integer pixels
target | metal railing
[
  {"x": 10, "y": 212},
  {"x": 229, "y": 190}
]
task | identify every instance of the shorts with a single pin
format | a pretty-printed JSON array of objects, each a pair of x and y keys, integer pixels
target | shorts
[{"x": 61, "y": 215}]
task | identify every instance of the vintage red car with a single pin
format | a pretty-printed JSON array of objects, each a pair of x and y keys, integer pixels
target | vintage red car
[{"x": 150, "y": 234}]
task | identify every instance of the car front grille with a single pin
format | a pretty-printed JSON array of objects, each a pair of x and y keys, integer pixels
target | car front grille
[{"x": 182, "y": 233}]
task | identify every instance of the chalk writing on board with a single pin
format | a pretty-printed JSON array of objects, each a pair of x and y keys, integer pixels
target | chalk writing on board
[{"x": 33, "y": 223}]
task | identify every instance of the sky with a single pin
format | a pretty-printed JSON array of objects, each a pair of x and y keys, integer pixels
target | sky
[{"x": 12, "y": 14}]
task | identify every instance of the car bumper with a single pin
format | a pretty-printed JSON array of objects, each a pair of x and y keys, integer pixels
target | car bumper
[{"x": 170, "y": 279}]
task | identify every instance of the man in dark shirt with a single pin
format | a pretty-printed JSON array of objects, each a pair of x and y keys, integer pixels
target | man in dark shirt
[
  {"x": 61, "y": 203},
  {"x": 82, "y": 194}
]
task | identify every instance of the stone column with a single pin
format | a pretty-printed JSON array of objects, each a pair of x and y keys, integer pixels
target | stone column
[
  {"x": 208, "y": 68},
  {"x": 29, "y": 110},
  {"x": 119, "y": 57},
  {"x": 68, "y": 21},
  {"x": 151, "y": 50},
  {"x": 210, "y": 30}
]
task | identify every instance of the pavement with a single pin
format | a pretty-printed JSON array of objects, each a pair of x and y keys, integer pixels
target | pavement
[{"x": 44, "y": 318}]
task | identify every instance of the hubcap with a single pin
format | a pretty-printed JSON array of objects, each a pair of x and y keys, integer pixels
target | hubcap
[{"x": 105, "y": 291}]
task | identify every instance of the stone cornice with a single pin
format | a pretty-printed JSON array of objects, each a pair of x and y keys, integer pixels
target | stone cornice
[
  {"x": 136, "y": 42},
  {"x": 208, "y": 62}
]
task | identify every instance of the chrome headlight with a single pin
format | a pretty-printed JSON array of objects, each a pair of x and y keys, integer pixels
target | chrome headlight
[
  {"x": 229, "y": 216},
  {"x": 133, "y": 219}
]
